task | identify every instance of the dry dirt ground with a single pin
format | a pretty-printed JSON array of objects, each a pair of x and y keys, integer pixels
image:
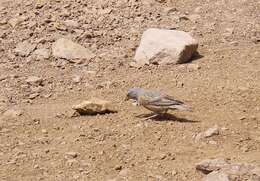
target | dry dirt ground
[{"x": 39, "y": 140}]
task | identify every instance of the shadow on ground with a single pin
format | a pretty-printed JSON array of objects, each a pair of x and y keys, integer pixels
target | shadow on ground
[{"x": 165, "y": 117}]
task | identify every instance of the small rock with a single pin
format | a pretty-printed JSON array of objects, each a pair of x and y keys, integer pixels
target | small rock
[
  {"x": 42, "y": 53},
  {"x": 39, "y": 4},
  {"x": 194, "y": 17},
  {"x": 192, "y": 67},
  {"x": 64, "y": 48},
  {"x": 3, "y": 22},
  {"x": 207, "y": 166},
  {"x": 33, "y": 95},
  {"x": 76, "y": 79},
  {"x": 33, "y": 80},
  {"x": 16, "y": 21},
  {"x": 70, "y": 155},
  {"x": 44, "y": 131},
  {"x": 94, "y": 106},
  {"x": 216, "y": 176},
  {"x": 161, "y": 46},
  {"x": 118, "y": 167},
  {"x": 24, "y": 48},
  {"x": 211, "y": 132},
  {"x": 71, "y": 23},
  {"x": 174, "y": 173},
  {"x": 12, "y": 114},
  {"x": 124, "y": 173},
  {"x": 3, "y": 77},
  {"x": 212, "y": 142},
  {"x": 220, "y": 169},
  {"x": 106, "y": 84}
]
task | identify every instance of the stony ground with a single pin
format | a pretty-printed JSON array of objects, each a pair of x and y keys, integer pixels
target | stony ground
[{"x": 41, "y": 141}]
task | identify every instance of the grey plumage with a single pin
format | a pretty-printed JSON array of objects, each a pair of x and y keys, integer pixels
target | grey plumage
[{"x": 156, "y": 101}]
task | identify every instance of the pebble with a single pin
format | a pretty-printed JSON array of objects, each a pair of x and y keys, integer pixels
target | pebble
[
  {"x": 33, "y": 80},
  {"x": 71, "y": 23},
  {"x": 70, "y": 155},
  {"x": 118, "y": 167},
  {"x": 42, "y": 53},
  {"x": 77, "y": 79},
  {"x": 44, "y": 131},
  {"x": 211, "y": 132},
  {"x": 24, "y": 48}
]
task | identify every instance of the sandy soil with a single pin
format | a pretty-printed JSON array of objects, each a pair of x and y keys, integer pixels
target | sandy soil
[{"x": 39, "y": 140}]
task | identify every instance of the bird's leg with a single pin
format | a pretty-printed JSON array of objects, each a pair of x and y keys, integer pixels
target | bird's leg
[{"x": 152, "y": 116}]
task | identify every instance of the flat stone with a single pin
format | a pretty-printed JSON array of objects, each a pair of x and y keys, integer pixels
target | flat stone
[
  {"x": 94, "y": 106},
  {"x": 162, "y": 46},
  {"x": 33, "y": 80},
  {"x": 64, "y": 48},
  {"x": 209, "y": 165},
  {"x": 24, "y": 48}
]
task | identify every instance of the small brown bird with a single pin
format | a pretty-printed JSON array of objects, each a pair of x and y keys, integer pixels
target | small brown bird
[{"x": 155, "y": 101}]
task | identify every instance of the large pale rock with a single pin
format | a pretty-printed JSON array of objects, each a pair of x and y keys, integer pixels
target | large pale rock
[
  {"x": 161, "y": 46},
  {"x": 64, "y": 48},
  {"x": 94, "y": 106}
]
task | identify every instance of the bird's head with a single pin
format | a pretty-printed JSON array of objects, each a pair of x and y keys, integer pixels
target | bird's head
[{"x": 133, "y": 94}]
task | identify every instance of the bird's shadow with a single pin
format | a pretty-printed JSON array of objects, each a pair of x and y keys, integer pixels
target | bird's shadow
[{"x": 165, "y": 117}]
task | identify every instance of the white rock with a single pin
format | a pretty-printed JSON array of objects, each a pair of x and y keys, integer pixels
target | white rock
[
  {"x": 64, "y": 48},
  {"x": 94, "y": 106},
  {"x": 161, "y": 46},
  {"x": 24, "y": 48},
  {"x": 211, "y": 132},
  {"x": 42, "y": 53},
  {"x": 208, "y": 133}
]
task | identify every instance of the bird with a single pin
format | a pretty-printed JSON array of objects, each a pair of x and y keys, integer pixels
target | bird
[{"x": 155, "y": 101}]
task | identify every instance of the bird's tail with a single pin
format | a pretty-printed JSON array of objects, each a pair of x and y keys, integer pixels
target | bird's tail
[{"x": 182, "y": 107}]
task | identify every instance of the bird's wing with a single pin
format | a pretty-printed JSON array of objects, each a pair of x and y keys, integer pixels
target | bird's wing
[
  {"x": 158, "y": 101},
  {"x": 171, "y": 98}
]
